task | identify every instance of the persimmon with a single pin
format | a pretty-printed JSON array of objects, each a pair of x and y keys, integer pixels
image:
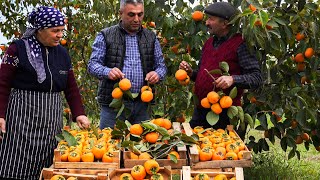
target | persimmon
[
  {"x": 185, "y": 82},
  {"x": 218, "y": 155},
  {"x": 205, "y": 103},
  {"x": 258, "y": 23},
  {"x": 98, "y": 150},
  {"x": 205, "y": 154},
  {"x": 309, "y": 52},
  {"x": 63, "y": 42},
  {"x": 231, "y": 155},
  {"x": 197, "y": 16},
  {"x": 299, "y": 36},
  {"x": 133, "y": 155},
  {"x": 3, "y": 47},
  {"x": 181, "y": 75},
  {"x": 175, "y": 48},
  {"x": 57, "y": 177},
  {"x": 225, "y": 102},
  {"x": 202, "y": 176},
  {"x": 144, "y": 155},
  {"x": 157, "y": 176},
  {"x": 108, "y": 157},
  {"x": 198, "y": 129},
  {"x": 151, "y": 166},
  {"x": 232, "y": 148},
  {"x": 125, "y": 84},
  {"x": 138, "y": 172},
  {"x": 253, "y": 100},
  {"x": 221, "y": 177},
  {"x": 87, "y": 157},
  {"x": 305, "y": 136},
  {"x": 240, "y": 154},
  {"x": 152, "y": 24},
  {"x": 240, "y": 144},
  {"x": 299, "y": 58},
  {"x": 175, "y": 153},
  {"x": 166, "y": 124},
  {"x": 145, "y": 88},
  {"x": 72, "y": 178},
  {"x": 125, "y": 176},
  {"x": 252, "y": 8},
  {"x": 216, "y": 108},
  {"x": 136, "y": 129},
  {"x": 64, "y": 155},
  {"x": 74, "y": 156},
  {"x": 117, "y": 93},
  {"x": 213, "y": 97},
  {"x": 158, "y": 121},
  {"x": 152, "y": 137},
  {"x": 146, "y": 96}
]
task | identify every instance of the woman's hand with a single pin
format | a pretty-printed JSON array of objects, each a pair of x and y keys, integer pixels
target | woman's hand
[
  {"x": 2, "y": 127},
  {"x": 83, "y": 122}
]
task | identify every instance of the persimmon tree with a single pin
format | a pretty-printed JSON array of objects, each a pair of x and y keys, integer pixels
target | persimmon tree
[{"x": 286, "y": 107}]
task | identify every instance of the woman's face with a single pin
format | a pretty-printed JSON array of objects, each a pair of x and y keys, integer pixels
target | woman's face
[{"x": 50, "y": 36}]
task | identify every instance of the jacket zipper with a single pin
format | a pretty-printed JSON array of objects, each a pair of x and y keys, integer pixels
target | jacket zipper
[{"x": 51, "y": 83}]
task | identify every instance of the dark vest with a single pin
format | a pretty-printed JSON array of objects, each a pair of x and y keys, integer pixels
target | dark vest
[
  {"x": 211, "y": 57},
  {"x": 114, "y": 37},
  {"x": 59, "y": 64}
]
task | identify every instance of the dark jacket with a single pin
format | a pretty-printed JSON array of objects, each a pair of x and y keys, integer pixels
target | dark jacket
[{"x": 115, "y": 52}]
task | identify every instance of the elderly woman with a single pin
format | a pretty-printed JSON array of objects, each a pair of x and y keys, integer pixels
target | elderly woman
[{"x": 34, "y": 72}]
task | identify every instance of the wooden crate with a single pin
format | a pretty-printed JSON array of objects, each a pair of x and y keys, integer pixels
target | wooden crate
[
  {"x": 80, "y": 174},
  {"x": 236, "y": 172},
  {"x": 58, "y": 164},
  {"x": 182, "y": 150},
  {"x": 116, "y": 173},
  {"x": 195, "y": 162}
]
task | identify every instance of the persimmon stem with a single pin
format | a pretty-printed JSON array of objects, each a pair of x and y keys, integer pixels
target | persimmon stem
[{"x": 214, "y": 79}]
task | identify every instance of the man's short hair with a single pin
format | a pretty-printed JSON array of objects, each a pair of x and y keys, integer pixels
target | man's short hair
[{"x": 125, "y": 2}]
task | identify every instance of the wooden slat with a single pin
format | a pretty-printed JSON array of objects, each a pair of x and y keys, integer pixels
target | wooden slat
[
  {"x": 58, "y": 164},
  {"x": 187, "y": 172},
  {"x": 239, "y": 173}
]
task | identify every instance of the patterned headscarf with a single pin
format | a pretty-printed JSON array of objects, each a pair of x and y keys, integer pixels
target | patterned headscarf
[{"x": 41, "y": 18}]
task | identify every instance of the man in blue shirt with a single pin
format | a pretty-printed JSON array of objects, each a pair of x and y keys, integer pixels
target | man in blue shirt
[{"x": 126, "y": 50}]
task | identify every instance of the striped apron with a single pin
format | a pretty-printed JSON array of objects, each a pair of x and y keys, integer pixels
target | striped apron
[{"x": 32, "y": 121}]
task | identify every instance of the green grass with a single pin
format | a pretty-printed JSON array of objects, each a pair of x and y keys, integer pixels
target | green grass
[{"x": 275, "y": 165}]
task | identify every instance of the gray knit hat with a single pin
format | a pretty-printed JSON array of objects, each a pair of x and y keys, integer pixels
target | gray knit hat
[{"x": 221, "y": 9}]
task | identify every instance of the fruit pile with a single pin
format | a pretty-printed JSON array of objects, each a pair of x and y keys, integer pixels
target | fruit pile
[
  {"x": 87, "y": 146},
  {"x": 149, "y": 170},
  {"x": 219, "y": 144}
]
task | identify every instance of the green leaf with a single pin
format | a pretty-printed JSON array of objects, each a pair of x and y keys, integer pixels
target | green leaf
[
  {"x": 264, "y": 17},
  {"x": 149, "y": 126},
  {"x": 69, "y": 138},
  {"x": 232, "y": 112},
  {"x": 116, "y": 103},
  {"x": 291, "y": 153},
  {"x": 284, "y": 144},
  {"x": 188, "y": 139},
  {"x": 173, "y": 158},
  {"x": 224, "y": 66},
  {"x": 59, "y": 137},
  {"x": 134, "y": 95},
  {"x": 252, "y": 20},
  {"x": 120, "y": 111},
  {"x": 240, "y": 113},
  {"x": 212, "y": 118},
  {"x": 162, "y": 131},
  {"x": 233, "y": 93},
  {"x": 215, "y": 71},
  {"x": 249, "y": 120}
]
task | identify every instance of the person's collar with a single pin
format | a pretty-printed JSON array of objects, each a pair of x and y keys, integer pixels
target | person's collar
[{"x": 222, "y": 38}]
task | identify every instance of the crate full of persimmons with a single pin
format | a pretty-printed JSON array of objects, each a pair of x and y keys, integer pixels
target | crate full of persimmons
[
  {"x": 73, "y": 174},
  {"x": 150, "y": 170},
  {"x": 158, "y": 139},
  {"x": 87, "y": 149},
  {"x": 212, "y": 174},
  {"x": 217, "y": 148}
]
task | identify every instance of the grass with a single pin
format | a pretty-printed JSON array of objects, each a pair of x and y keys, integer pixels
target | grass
[{"x": 275, "y": 165}]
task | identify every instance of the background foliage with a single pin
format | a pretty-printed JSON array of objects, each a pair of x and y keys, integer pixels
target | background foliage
[{"x": 291, "y": 91}]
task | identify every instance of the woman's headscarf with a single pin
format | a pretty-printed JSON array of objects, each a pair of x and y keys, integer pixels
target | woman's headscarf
[{"x": 41, "y": 18}]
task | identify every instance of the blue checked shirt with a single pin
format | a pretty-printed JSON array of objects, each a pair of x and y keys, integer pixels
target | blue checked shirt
[{"x": 132, "y": 67}]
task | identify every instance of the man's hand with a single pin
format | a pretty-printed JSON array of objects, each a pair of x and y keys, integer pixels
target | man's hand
[
  {"x": 2, "y": 127},
  {"x": 83, "y": 122},
  {"x": 152, "y": 77},
  {"x": 115, "y": 74},
  {"x": 186, "y": 66},
  {"x": 224, "y": 82}
]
